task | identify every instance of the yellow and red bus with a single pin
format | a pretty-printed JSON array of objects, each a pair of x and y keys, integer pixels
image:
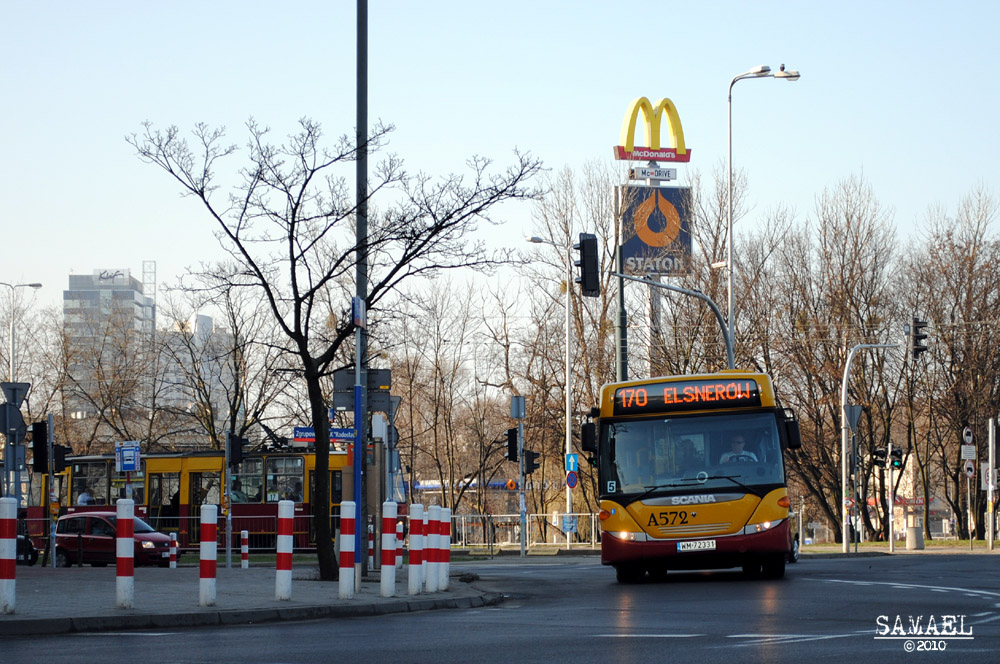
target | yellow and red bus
[
  {"x": 170, "y": 487},
  {"x": 691, "y": 474}
]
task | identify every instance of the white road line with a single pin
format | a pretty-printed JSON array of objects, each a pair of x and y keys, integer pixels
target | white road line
[
  {"x": 972, "y": 592},
  {"x": 647, "y": 636}
]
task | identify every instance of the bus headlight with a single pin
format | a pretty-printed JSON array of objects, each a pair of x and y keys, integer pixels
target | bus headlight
[
  {"x": 627, "y": 536},
  {"x": 754, "y": 528}
]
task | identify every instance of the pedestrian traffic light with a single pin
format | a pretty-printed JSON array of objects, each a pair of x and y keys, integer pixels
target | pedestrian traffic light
[
  {"x": 235, "y": 446},
  {"x": 917, "y": 336},
  {"x": 878, "y": 457},
  {"x": 59, "y": 453},
  {"x": 589, "y": 264},
  {"x": 530, "y": 461},
  {"x": 897, "y": 458},
  {"x": 511, "y": 444},
  {"x": 40, "y": 447}
]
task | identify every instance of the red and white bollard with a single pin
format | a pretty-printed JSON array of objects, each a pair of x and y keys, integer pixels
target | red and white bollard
[
  {"x": 371, "y": 548},
  {"x": 244, "y": 549},
  {"x": 432, "y": 544},
  {"x": 347, "y": 549},
  {"x": 399, "y": 545},
  {"x": 208, "y": 554},
  {"x": 388, "y": 577},
  {"x": 444, "y": 548},
  {"x": 414, "y": 578},
  {"x": 283, "y": 564},
  {"x": 173, "y": 550},
  {"x": 125, "y": 554},
  {"x": 8, "y": 554}
]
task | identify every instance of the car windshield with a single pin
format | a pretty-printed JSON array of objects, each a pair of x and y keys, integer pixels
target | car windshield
[
  {"x": 684, "y": 453},
  {"x": 138, "y": 525}
]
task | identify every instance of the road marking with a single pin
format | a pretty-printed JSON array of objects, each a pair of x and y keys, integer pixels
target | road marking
[
  {"x": 972, "y": 592},
  {"x": 763, "y": 639},
  {"x": 648, "y": 636}
]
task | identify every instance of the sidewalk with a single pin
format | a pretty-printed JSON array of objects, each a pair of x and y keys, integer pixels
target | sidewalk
[{"x": 79, "y": 599}]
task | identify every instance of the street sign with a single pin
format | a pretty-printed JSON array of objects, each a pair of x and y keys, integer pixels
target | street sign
[
  {"x": 986, "y": 478},
  {"x": 572, "y": 462},
  {"x": 968, "y": 452},
  {"x": 571, "y": 479},
  {"x": 970, "y": 468},
  {"x": 568, "y": 523},
  {"x": 12, "y": 422},
  {"x": 127, "y": 456},
  {"x": 853, "y": 412},
  {"x": 15, "y": 392},
  {"x": 967, "y": 435}
]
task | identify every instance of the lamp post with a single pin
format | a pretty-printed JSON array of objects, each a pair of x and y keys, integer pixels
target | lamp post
[
  {"x": 10, "y": 360},
  {"x": 569, "y": 386},
  {"x": 762, "y": 71},
  {"x": 11, "y": 447}
]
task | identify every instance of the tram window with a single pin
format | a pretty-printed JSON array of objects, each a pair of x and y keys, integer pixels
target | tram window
[
  {"x": 90, "y": 478},
  {"x": 284, "y": 478},
  {"x": 205, "y": 489},
  {"x": 164, "y": 499},
  {"x": 251, "y": 478},
  {"x": 138, "y": 481}
]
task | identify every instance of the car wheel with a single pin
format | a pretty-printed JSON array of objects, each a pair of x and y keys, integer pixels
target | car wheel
[
  {"x": 62, "y": 558},
  {"x": 32, "y": 557},
  {"x": 793, "y": 556}
]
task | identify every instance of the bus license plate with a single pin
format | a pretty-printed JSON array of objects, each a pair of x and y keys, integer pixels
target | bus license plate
[{"x": 696, "y": 545}]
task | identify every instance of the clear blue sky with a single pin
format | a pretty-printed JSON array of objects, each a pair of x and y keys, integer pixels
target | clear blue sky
[{"x": 903, "y": 93}]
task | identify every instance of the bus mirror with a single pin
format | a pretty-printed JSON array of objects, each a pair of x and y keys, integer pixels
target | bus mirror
[
  {"x": 792, "y": 434},
  {"x": 588, "y": 438}
]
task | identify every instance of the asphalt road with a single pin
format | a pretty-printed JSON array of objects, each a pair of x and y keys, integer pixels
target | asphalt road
[{"x": 572, "y": 610}]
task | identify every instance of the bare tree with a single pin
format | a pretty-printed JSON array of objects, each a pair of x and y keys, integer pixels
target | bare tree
[{"x": 288, "y": 226}]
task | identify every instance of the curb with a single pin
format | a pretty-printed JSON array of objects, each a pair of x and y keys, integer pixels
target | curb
[{"x": 46, "y": 626}]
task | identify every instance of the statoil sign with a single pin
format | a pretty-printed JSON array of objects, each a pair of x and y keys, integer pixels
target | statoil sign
[{"x": 656, "y": 233}]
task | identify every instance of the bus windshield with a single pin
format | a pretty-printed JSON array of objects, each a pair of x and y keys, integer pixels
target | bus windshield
[{"x": 723, "y": 451}]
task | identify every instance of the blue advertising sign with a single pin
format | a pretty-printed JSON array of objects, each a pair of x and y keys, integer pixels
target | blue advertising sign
[{"x": 656, "y": 230}]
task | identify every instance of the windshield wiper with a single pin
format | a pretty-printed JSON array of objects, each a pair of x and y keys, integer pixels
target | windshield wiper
[
  {"x": 735, "y": 481},
  {"x": 650, "y": 488}
]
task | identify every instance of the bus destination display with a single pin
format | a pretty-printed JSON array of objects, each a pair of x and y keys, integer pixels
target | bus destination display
[{"x": 686, "y": 395}]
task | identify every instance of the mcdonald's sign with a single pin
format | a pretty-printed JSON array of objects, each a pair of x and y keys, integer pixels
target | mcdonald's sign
[
  {"x": 656, "y": 233},
  {"x": 652, "y": 115}
]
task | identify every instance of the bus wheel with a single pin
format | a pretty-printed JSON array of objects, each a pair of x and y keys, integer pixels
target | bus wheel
[
  {"x": 774, "y": 566},
  {"x": 629, "y": 573},
  {"x": 751, "y": 567}
]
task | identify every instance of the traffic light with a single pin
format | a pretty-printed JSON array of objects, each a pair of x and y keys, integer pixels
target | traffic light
[
  {"x": 530, "y": 461},
  {"x": 897, "y": 458},
  {"x": 511, "y": 444},
  {"x": 917, "y": 336},
  {"x": 40, "y": 447},
  {"x": 878, "y": 457},
  {"x": 589, "y": 264},
  {"x": 59, "y": 453},
  {"x": 235, "y": 446}
]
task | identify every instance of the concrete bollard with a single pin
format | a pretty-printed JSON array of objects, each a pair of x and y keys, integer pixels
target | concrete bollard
[
  {"x": 414, "y": 578},
  {"x": 283, "y": 562},
  {"x": 371, "y": 548},
  {"x": 173, "y": 550},
  {"x": 244, "y": 549},
  {"x": 125, "y": 554},
  {"x": 388, "y": 578},
  {"x": 431, "y": 547},
  {"x": 425, "y": 563},
  {"x": 445, "y": 548},
  {"x": 208, "y": 554},
  {"x": 8, "y": 554},
  {"x": 347, "y": 523},
  {"x": 399, "y": 545}
]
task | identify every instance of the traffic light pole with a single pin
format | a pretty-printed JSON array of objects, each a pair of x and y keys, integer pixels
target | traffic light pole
[{"x": 845, "y": 537}]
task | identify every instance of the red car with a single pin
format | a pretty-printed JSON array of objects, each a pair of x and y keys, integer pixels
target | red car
[{"x": 93, "y": 535}]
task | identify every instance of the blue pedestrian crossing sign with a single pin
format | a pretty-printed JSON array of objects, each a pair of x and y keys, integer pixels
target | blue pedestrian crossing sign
[{"x": 572, "y": 463}]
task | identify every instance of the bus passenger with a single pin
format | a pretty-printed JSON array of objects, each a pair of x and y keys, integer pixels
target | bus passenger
[
  {"x": 738, "y": 451},
  {"x": 85, "y": 498}
]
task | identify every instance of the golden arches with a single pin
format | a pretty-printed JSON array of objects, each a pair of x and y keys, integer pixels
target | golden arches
[{"x": 652, "y": 115}]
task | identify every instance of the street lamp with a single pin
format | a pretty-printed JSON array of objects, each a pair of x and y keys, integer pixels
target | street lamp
[
  {"x": 762, "y": 71},
  {"x": 10, "y": 361},
  {"x": 569, "y": 386}
]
